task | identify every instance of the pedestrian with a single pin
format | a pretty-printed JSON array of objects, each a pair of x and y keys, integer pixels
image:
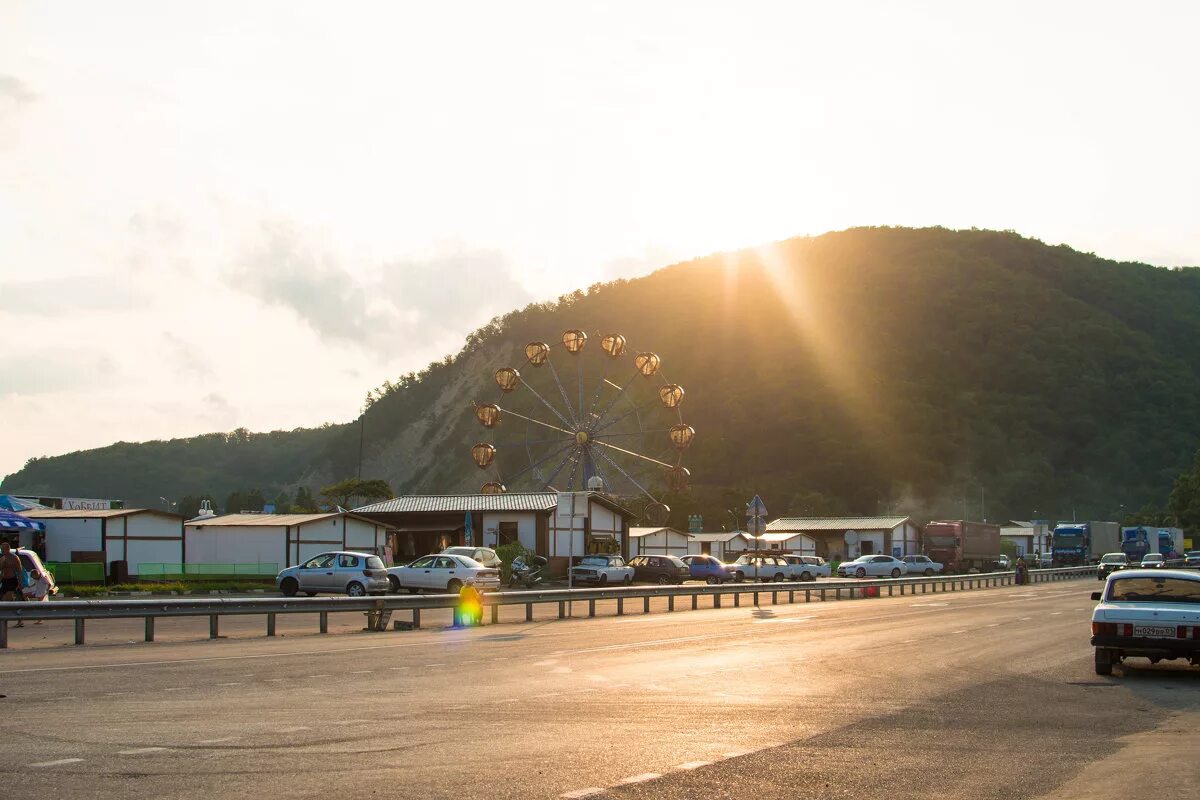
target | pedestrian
[
  {"x": 12, "y": 574},
  {"x": 38, "y": 590}
]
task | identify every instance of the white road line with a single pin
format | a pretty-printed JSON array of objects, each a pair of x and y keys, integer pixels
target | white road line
[
  {"x": 320, "y": 676},
  {"x": 57, "y": 763},
  {"x": 645, "y": 776},
  {"x": 581, "y": 793},
  {"x": 1055, "y": 613},
  {"x": 60, "y": 699},
  {"x": 138, "y": 751},
  {"x": 692, "y": 765},
  {"x": 957, "y": 632},
  {"x": 397, "y": 667},
  {"x": 235, "y": 683},
  {"x": 1024, "y": 619},
  {"x": 295, "y": 729},
  {"x": 908, "y": 641},
  {"x": 434, "y": 665},
  {"x": 994, "y": 625},
  {"x": 116, "y": 694},
  {"x": 362, "y": 672},
  {"x": 274, "y": 680},
  {"x": 219, "y": 741},
  {"x": 177, "y": 688}
]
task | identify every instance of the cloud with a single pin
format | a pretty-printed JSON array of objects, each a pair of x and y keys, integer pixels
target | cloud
[
  {"x": 187, "y": 359},
  {"x": 70, "y": 295},
  {"x": 430, "y": 298},
  {"x": 13, "y": 90},
  {"x": 55, "y": 369}
]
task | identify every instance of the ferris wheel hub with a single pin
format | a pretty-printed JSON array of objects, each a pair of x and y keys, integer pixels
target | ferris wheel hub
[{"x": 582, "y": 437}]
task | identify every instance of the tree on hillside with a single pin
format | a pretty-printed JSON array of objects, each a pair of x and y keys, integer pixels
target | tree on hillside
[
  {"x": 305, "y": 502},
  {"x": 1184, "y": 503},
  {"x": 283, "y": 503},
  {"x": 345, "y": 492},
  {"x": 254, "y": 500},
  {"x": 235, "y": 502}
]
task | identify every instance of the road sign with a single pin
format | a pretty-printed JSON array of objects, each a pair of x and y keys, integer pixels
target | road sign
[{"x": 756, "y": 508}]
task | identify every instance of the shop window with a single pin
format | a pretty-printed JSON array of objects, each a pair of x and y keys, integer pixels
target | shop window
[{"x": 507, "y": 533}]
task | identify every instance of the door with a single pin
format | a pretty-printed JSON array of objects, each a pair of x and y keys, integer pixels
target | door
[
  {"x": 445, "y": 570},
  {"x": 316, "y": 574},
  {"x": 348, "y": 568},
  {"x": 416, "y": 574},
  {"x": 880, "y": 565}
]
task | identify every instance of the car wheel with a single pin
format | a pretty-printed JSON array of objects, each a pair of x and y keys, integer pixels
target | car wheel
[
  {"x": 454, "y": 586},
  {"x": 860, "y": 573},
  {"x": 928, "y": 572},
  {"x": 712, "y": 580},
  {"x": 739, "y": 576},
  {"x": 628, "y": 580},
  {"x": 413, "y": 590},
  {"x": 806, "y": 576},
  {"x": 604, "y": 579},
  {"x": 663, "y": 580},
  {"x": 394, "y": 583},
  {"x": 356, "y": 589},
  {"x": 895, "y": 572},
  {"x": 289, "y": 587},
  {"x": 780, "y": 577},
  {"x": 1104, "y": 661}
]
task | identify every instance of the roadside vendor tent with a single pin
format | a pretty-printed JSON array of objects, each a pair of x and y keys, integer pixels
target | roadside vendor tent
[{"x": 18, "y": 530}]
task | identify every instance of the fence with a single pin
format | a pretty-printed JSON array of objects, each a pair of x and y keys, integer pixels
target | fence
[
  {"x": 379, "y": 609},
  {"x": 163, "y": 571},
  {"x": 65, "y": 572}
]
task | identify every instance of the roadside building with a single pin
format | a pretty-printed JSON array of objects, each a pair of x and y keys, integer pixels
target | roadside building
[
  {"x": 421, "y": 524},
  {"x": 658, "y": 542},
  {"x": 845, "y": 538},
  {"x": 800, "y": 544},
  {"x": 275, "y": 541},
  {"x": 717, "y": 545},
  {"x": 1025, "y": 537},
  {"x": 122, "y": 539}
]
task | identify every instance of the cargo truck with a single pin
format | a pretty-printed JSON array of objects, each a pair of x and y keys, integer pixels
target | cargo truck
[
  {"x": 961, "y": 545},
  {"x": 1080, "y": 543},
  {"x": 1140, "y": 540}
]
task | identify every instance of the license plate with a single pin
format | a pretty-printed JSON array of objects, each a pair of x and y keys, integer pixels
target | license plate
[{"x": 1154, "y": 630}]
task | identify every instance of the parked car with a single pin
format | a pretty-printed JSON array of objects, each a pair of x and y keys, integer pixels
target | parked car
[
  {"x": 484, "y": 555},
  {"x": 1003, "y": 562},
  {"x": 761, "y": 568},
  {"x": 805, "y": 568},
  {"x": 659, "y": 569},
  {"x": 709, "y": 569},
  {"x": 874, "y": 566},
  {"x": 602, "y": 570},
  {"x": 922, "y": 565},
  {"x": 338, "y": 572},
  {"x": 31, "y": 561},
  {"x": 1192, "y": 558},
  {"x": 1153, "y": 614},
  {"x": 1110, "y": 563},
  {"x": 1153, "y": 561},
  {"x": 443, "y": 573}
]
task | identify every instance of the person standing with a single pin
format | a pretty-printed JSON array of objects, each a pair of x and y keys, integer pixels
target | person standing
[{"x": 11, "y": 574}]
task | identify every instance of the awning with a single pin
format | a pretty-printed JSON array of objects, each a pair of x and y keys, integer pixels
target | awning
[
  {"x": 10, "y": 503},
  {"x": 15, "y": 522}
]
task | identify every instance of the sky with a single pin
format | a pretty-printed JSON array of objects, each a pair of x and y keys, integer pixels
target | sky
[{"x": 227, "y": 214}]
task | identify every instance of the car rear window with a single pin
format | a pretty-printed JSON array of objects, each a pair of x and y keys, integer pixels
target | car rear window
[
  {"x": 1154, "y": 590},
  {"x": 593, "y": 561},
  {"x": 375, "y": 562}
]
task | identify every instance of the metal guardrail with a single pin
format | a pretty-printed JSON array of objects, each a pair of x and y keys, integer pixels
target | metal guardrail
[{"x": 379, "y": 609}]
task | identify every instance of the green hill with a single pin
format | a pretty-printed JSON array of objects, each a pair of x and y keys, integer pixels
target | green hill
[{"x": 870, "y": 370}]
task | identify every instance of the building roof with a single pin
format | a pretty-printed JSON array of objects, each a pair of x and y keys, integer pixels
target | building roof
[
  {"x": 723, "y": 536},
  {"x": 808, "y": 524},
  {"x": 268, "y": 520},
  {"x": 541, "y": 502},
  {"x": 637, "y": 533},
  {"x": 93, "y": 513}
]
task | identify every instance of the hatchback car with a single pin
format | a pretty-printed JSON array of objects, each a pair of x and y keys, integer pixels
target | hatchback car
[
  {"x": 761, "y": 568},
  {"x": 484, "y": 555},
  {"x": 339, "y": 572},
  {"x": 707, "y": 568},
  {"x": 873, "y": 566},
  {"x": 659, "y": 569},
  {"x": 922, "y": 565},
  {"x": 442, "y": 573},
  {"x": 805, "y": 568}
]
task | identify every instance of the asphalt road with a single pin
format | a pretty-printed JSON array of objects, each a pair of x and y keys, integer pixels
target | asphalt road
[{"x": 975, "y": 694}]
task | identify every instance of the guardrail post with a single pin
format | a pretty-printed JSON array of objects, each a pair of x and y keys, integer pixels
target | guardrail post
[
  {"x": 562, "y": 609},
  {"x": 716, "y": 601},
  {"x": 529, "y": 612},
  {"x": 620, "y": 607},
  {"x": 774, "y": 598},
  {"x": 270, "y": 624},
  {"x": 695, "y": 602},
  {"x": 416, "y": 619},
  {"x": 646, "y": 604},
  {"x": 890, "y": 587},
  {"x": 495, "y": 615},
  {"x": 756, "y": 599},
  {"x": 3, "y": 634},
  {"x": 737, "y": 599},
  {"x": 822, "y": 595},
  {"x": 213, "y": 625},
  {"x": 591, "y": 608},
  {"x": 79, "y": 631},
  {"x": 149, "y": 629},
  {"x": 671, "y": 602},
  {"x": 324, "y": 617},
  {"x": 837, "y": 593},
  {"x": 808, "y": 595}
]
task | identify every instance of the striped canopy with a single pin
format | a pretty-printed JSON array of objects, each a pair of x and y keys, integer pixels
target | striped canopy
[{"x": 15, "y": 522}]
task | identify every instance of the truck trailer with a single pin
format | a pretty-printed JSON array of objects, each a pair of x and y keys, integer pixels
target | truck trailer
[
  {"x": 962, "y": 545},
  {"x": 1137, "y": 541},
  {"x": 1080, "y": 543}
]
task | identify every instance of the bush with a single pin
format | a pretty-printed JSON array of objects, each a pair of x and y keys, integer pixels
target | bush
[{"x": 508, "y": 553}]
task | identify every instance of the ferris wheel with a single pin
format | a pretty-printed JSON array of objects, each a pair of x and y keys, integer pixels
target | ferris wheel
[{"x": 576, "y": 416}]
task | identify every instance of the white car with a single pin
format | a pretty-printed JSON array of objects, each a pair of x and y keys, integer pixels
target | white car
[
  {"x": 922, "y": 565},
  {"x": 806, "y": 568},
  {"x": 443, "y": 573},
  {"x": 602, "y": 570},
  {"x": 484, "y": 555},
  {"x": 1151, "y": 613},
  {"x": 760, "y": 568},
  {"x": 340, "y": 572},
  {"x": 873, "y": 567}
]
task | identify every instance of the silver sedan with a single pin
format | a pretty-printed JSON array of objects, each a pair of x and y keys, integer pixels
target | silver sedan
[{"x": 873, "y": 567}]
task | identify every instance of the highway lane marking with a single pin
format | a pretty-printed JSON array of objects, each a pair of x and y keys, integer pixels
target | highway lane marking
[
  {"x": 320, "y": 676},
  {"x": 60, "y": 762},
  {"x": 1055, "y": 613},
  {"x": 177, "y": 688},
  {"x": 433, "y": 665},
  {"x": 994, "y": 625},
  {"x": 691, "y": 765},
  {"x": 578, "y": 794},
  {"x": 645, "y": 776},
  {"x": 666, "y": 619},
  {"x": 219, "y": 741},
  {"x": 116, "y": 694},
  {"x": 1024, "y": 619},
  {"x": 294, "y": 729},
  {"x": 274, "y": 680},
  {"x": 954, "y": 632},
  {"x": 140, "y": 751},
  {"x": 362, "y": 672},
  {"x": 234, "y": 683}
]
